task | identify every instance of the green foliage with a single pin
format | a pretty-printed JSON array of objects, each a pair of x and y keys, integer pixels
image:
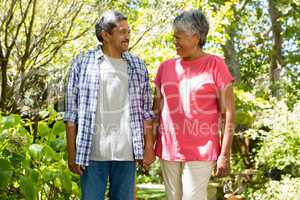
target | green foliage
[
  {"x": 280, "y": 146},
  {"x": 287, "y": 189},
  {"x": 153, "y": 175},
  {"x": 35, "y": 60},
  {"x": 39, "y": 170},
  {"x": 271, "y": 131},
  {"x": 151, "y": 194},
  {"x": 5, "y": 173},
  {"x": 34, "y": 170},
  {"x": 31, "y": 35}
]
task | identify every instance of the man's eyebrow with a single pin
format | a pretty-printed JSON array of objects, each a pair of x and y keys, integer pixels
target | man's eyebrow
[{"x": 121, "y": 28}]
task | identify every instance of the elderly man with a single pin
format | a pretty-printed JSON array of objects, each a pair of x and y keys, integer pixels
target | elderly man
[{"x": 108, "y": 113}]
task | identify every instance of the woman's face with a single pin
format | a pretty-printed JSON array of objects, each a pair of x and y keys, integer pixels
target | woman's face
[{"x": 185, "y": 43}]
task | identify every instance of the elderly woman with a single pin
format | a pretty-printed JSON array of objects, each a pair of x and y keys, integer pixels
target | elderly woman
[{"x": 194, "y": 94}]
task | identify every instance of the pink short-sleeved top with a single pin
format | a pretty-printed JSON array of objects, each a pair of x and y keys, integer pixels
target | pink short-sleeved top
[{"x": 190, "y": 118}]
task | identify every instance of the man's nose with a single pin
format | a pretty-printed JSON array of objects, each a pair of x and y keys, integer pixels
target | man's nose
[{"x": 128, "y": 35}]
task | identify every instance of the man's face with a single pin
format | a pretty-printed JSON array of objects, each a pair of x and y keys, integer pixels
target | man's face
[{"x": 119, "y": 38}]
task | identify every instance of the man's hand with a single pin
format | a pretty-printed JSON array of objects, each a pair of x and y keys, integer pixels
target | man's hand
[
  {"x": 71, "y": 131},
  {"x": 223, "y": 166},
  {"x": 77, "y": 169},
  {"x": 149, "y": 157}
]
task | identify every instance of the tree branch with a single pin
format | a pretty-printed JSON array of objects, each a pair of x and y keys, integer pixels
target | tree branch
[
  {"x": 10, "y": 17},
  {"x": 28, "y": 38},
  {"x": 142, "y": 35}
]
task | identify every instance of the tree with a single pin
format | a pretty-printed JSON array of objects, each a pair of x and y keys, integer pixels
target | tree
[
  {"x": 32, "y": 33},
  {"x": 276, "y": 54}
]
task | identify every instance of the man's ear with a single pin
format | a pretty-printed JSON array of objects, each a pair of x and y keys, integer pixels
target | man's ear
[{"x": 105, "y": 35}]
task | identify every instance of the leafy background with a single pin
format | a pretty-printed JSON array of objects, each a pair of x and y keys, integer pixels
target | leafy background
[{"x": 259, "y": 40}]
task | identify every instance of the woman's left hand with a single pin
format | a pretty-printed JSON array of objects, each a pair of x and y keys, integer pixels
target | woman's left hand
[{"x": 223, "y": 166}]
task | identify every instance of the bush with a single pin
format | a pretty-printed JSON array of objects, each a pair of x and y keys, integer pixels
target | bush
[
  {"x": 286, "y": 189},
  {"x": 33, "y": 165},
  {"x": 280, "y": 146},
  {"x": 276, "y": 132},
  {"x": 35, "y": 170}
]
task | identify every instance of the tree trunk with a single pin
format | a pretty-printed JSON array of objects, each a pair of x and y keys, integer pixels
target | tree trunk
[
  {"x": 231, "y": 60},
  {"x": 276, "y": 53},
  {"x": 228, "y": 48},
  {"x": 3, "y": 64}
]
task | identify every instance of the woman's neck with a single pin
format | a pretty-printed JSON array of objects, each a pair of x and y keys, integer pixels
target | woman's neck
[{"x": 194, "y": 55}]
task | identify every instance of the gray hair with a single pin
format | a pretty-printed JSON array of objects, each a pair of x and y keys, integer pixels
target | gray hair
[
  {"x": 107, "y": 22},
  {"x": 193, "y": 22}
]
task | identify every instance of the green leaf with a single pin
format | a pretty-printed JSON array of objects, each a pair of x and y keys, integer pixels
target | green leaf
[
  {"x": 43, "y": 114},
  {"x": 58, "y": 128},
  {"x": 52, "y": 114},
  {"x": 49, "y": 154},
  {"x": 65, "y": 179},
  {"x": 4, "y": 135},
  {"x": 43, "y": 129},
  {"x": 59, "y": 144},
  {"x": 11, "y": 121},
  {"x": 29, "y": 185},
  {"x": 75, "y": 188},
  {"x": 22, "y": 131},
  {"x": 36, "y": 150},
  {"x": 5, "y": 173},
  {"x": 244, "y": 118},
  {"x": 25, "y": 163}
]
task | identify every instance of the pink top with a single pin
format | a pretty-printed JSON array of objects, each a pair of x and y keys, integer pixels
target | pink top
[{"x": 190, "y": 116}]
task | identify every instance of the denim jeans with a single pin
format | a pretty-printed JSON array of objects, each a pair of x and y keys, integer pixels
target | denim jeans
[{"x": 121, "y": 176}]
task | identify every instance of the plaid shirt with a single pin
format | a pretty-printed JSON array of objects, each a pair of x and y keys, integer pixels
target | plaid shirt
[{"x": 81, "y": 100}]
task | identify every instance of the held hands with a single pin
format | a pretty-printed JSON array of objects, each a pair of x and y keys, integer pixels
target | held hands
[
  {"x": 149, "y": 157},
  {"x": 223, "y": 166}
]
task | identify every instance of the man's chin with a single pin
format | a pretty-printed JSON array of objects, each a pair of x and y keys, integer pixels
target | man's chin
[{"x": 125, "y": 48}]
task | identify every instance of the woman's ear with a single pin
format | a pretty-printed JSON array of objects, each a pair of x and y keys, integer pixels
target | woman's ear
[{"x": 196, "y": 38}]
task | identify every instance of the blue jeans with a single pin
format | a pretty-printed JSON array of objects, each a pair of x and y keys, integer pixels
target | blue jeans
[{"x": 121, "y": 176}]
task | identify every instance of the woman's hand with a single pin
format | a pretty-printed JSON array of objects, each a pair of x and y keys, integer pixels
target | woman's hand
[
  {"x": 149, "y": 157},
  {"x": 223, "y": 166}
]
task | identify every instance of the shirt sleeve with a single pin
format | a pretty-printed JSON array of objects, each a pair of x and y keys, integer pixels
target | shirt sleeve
[
  {"x": 71, "y": 98},
  {"x": 222, "y": 75},
  {"x": 148, "y": 112},
  {"x": 157, "y": 80}
]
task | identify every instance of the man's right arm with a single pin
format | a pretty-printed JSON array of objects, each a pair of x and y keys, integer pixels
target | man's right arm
[
  {"x": 71, "y": 131},
  {"x": 71, "y": 115}
]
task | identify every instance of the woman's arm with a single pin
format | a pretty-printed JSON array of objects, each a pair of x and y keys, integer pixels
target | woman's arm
[
  {"x": 157, "y": 108},
  {"x": 228, "y": 107}
]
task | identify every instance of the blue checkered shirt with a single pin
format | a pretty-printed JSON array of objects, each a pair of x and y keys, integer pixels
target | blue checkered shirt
[{"x": 81, "y": 100}]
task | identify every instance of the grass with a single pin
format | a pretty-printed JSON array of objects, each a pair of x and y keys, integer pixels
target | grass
[{"x": 151, "y": 192}]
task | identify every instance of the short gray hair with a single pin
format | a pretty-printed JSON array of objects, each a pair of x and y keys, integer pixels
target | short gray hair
[
  {"x": 107, "y": 22},
  {"x": 193, "y": 22}
]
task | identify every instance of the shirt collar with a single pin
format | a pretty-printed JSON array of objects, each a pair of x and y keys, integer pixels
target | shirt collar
[{"x": 100, "y": 54}]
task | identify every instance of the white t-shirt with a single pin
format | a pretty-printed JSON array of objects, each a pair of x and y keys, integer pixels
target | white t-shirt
[{"x": 112, "y": 138}]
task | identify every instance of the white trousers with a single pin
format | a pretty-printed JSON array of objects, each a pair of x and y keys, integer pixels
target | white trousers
[{"x": 186, "y": 180}]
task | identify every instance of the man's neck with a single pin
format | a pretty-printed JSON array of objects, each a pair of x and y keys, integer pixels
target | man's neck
[{"x": 109, "y": 51}]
